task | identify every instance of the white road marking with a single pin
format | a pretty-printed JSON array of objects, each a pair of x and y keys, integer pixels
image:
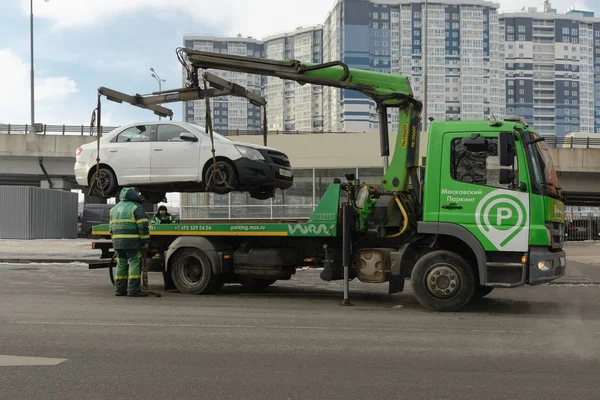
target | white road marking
[
  {"x": 287, "y": 327},
  {"x": 18, "y": 361}
]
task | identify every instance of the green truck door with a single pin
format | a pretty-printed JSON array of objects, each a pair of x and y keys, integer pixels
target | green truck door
[{"x": 471, "y": 194}]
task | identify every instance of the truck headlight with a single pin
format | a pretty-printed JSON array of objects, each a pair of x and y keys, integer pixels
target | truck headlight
[
  {"x": 250, "y": 153},
  {"x": 545, "y": 265}
]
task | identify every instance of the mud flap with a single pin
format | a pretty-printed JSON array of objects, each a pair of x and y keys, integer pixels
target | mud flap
[{"x": 402, "y": 262}]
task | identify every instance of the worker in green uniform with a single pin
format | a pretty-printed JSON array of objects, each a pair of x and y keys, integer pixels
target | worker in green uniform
[
  {"x": 130, "y": 234},
  {"x": 162, "y": 216}
]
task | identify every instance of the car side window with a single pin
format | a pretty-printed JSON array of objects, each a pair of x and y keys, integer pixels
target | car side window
[
  {"x": 169, "y": 133},
  {"x": 138, "y": 133},
  {"x": 478, "y": 166}
]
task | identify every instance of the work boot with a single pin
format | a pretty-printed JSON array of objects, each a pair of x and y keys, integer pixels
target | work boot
[
  {"x": 139, "y": 294},
  {"x": 120, "y": 293}
]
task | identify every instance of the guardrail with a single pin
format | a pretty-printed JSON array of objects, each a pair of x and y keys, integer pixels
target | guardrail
[{"x": 42, "y": 129}]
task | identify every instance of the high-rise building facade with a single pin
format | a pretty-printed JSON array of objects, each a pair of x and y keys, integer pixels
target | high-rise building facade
[
  {"x": 229, "y": 113},
  {"x": 291, "y": 106},
  {"x": 464, "y": 59},
  {"x": 536, "y": 63},
  {"x": 552, "y": 64}
]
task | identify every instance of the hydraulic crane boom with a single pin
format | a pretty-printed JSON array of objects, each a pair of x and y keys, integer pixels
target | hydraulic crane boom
[
  {"x": 220, "y": 87},
  {"x": 386, "y": 90}
]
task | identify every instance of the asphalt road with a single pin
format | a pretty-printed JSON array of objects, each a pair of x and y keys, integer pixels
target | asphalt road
[{"x": 294, "y": 341}]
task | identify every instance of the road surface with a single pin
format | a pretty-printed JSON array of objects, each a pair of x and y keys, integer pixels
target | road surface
[{"x": 63, "y": 335}]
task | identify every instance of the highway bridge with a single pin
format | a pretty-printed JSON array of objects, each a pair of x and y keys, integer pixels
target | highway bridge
[{"x": 46, "y": 159}]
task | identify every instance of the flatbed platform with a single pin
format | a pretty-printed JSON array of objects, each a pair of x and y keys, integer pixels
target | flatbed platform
[{"x": 322, "y": 223}]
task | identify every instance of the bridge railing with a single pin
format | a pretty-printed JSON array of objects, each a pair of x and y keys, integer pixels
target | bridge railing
[{"x": 43, "y": 129}]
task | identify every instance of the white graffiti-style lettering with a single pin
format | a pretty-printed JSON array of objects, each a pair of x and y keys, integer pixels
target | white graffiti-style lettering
[{"x": 310, "y": 228}]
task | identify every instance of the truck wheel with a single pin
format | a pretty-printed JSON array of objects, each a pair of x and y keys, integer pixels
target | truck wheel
[
  {"x": 443, "y": 281},
  {"x": 191, "y": 271}
]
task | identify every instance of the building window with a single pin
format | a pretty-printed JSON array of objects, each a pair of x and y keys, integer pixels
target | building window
[
  {"x": 510, "y": 29},
  {"x": 521, "y": 29},
  {"x": 565, "y": 31}
]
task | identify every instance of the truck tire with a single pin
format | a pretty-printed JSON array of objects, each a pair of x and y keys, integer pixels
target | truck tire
[
  {"x": 443, "y": 281},
  {"x": 191, "y": 271}
]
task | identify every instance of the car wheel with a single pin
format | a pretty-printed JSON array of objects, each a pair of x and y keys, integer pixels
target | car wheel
[
  {"x": 220, "y": 179},
  {"x": 103, "y": 182},
  {"x": 262, "y": 194}
]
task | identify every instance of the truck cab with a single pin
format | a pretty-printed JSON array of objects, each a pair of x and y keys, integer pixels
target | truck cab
[{"x": 493, "y": 186}]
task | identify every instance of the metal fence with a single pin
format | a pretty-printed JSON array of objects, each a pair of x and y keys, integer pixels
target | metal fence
[
  {"x": 43, "y": 129},
  {"x": 582, "y": 226}
]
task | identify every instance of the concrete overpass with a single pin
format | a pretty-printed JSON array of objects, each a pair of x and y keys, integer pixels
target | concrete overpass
[{"x": 40, "y": 159}]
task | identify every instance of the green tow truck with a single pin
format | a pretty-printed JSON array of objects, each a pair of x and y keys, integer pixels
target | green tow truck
[{"x": 485, "y": 212}]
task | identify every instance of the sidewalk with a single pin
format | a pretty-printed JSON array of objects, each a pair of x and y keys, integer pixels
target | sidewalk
[
  {"x": 54, "y": 251},
  {"x": 583, "y": 258}
]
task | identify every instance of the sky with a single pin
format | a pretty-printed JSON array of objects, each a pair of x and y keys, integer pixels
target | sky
[{"x": 80, "y": 45}]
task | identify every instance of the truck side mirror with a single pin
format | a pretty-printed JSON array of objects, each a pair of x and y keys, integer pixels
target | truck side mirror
[
  {"x": 506, "y": 176},
  {"x": 506, "y": 149}
]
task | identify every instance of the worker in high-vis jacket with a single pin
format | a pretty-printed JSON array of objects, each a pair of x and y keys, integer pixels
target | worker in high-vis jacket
[
  {"x": 162, "y": 216},
  {"x": 130, "y": 234}
]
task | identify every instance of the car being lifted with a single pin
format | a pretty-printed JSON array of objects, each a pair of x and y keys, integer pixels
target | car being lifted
[{"x": 166, "y": 156}]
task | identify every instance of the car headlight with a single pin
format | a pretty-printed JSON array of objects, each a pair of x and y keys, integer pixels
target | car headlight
[{"x": 250, "y": 153}]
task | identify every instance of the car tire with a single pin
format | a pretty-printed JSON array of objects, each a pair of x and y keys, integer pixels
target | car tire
[
  {"x": 262, "y": 194},
  {"x": 223, "y": 185},
  {"x": 107, "y": 182}
]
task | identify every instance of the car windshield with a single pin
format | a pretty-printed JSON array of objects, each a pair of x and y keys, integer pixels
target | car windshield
[
  {"x": 543, "y": 167},
  {"x": 201, "y": 129}
]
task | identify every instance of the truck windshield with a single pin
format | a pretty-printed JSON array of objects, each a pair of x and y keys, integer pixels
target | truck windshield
[{"x": 543, "y": 168}]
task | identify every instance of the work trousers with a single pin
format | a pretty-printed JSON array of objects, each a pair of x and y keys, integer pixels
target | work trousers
[{"x": 128, "y": 278}]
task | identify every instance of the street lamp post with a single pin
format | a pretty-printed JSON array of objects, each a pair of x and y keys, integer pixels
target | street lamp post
[
  {"x": 159, "y": 80},
  {"x": 32, "y": 75}
]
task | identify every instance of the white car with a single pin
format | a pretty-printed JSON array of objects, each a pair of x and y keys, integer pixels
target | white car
[{"x": 171, "y": 156}]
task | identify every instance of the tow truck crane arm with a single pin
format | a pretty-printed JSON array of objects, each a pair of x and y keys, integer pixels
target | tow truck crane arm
[
  {"x": 385, "y": 89},
  {"x": 220, "y": 87}
]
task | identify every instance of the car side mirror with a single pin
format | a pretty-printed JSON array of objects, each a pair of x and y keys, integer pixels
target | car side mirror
[
  {"x": 506, "y": 176},
  {"x": 506, "y": 149},
  {"x": 188, "y": 137}
]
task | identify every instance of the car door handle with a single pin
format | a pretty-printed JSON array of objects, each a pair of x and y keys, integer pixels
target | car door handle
[
  {"x": 452, "y": 206},
  {"x": 113, "y": 151},
  {"x": 157, "y": 149}
]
